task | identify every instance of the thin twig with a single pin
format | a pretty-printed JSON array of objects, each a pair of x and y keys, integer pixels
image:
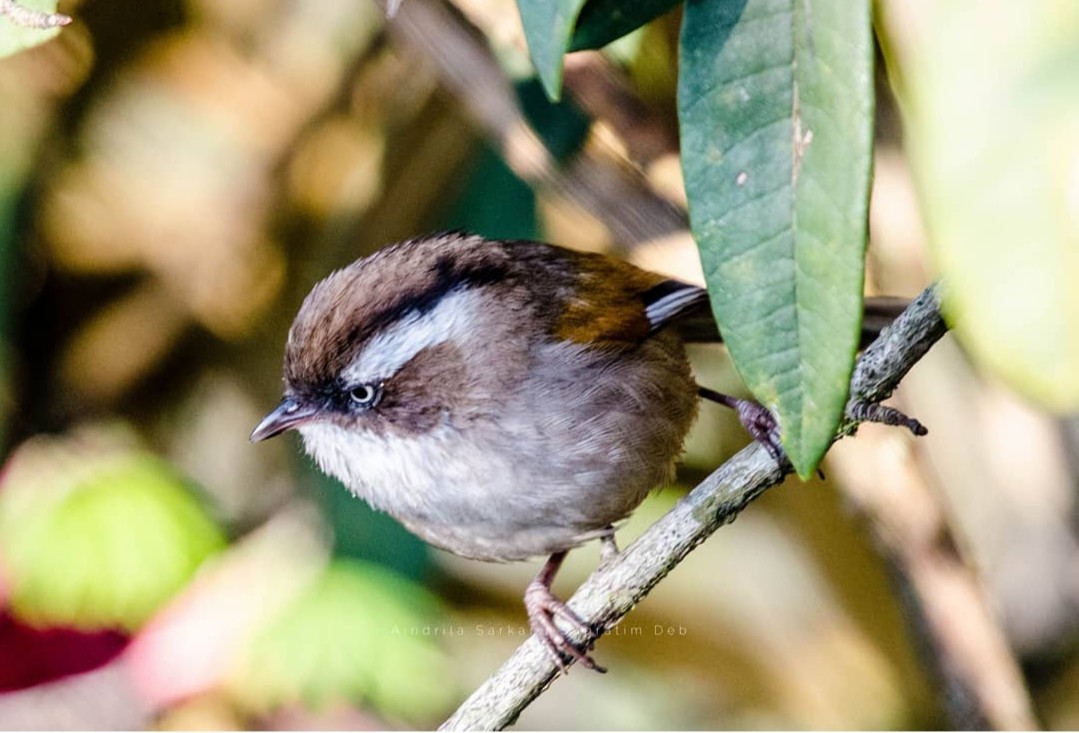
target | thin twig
[
  {"x": 28, "y": 18},
  {"x": 617, "y": 586}
]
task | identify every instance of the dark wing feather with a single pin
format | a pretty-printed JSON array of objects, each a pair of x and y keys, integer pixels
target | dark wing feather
[
  {"x": 672, "y": 300},
  {"x": 695, "y": 324}
]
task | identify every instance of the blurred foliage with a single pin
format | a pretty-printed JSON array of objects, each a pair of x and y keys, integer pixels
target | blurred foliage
[
  {"x": 358, "y": 634},
  {"x": 97, "y": 534},
  {"x": 30, "y": 655},
  {"x": 1002, "y": 199}
]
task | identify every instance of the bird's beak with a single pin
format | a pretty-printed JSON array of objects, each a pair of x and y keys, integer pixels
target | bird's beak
[{"x": 288, "y": 415}]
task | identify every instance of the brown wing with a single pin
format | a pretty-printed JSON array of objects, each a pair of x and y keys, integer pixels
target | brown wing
[
  {"x": 616, "y": 302},
  {"x": 596, "y": 299}
]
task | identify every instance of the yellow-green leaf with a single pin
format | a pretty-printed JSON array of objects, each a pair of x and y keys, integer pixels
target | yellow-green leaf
[
  {"x": 95, "y": 537},
  {"x": 992, "y": 92},
  {"x": 359, "y": 635}
]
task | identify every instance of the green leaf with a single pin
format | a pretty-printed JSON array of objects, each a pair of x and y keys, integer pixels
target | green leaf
[
  {"x": 992, "y": 124},
  {"x": 359, "y": 634},
  {"x": 775, "y": 103},
  {"x": 547, "y": 25},
  {"x": 15, "y": 38},
  {"x": 603, "y": 21},
  {"x": 95, "y": 539}
]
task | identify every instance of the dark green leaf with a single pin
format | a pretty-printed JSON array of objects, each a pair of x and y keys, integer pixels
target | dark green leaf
[
  {"x": 604, "y": 21},
  {"x": 775, "y": 103},
  {"x": 547, "y": 25},
  {"x": 562, "y": 126}
]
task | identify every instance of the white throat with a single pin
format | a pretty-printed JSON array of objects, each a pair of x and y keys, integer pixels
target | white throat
[{"x": 402, "y": 475}]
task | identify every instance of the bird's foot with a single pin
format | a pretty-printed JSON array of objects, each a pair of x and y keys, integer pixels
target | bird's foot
[
  {"x": 761, "y": 424},
  {"x": 543, "y": 608},
  {"x": 757, "y": 419},
  {"x": 608, "y": 546}
]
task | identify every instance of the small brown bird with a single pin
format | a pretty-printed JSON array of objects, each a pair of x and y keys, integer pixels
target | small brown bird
[{"x": 503, "y": 400}]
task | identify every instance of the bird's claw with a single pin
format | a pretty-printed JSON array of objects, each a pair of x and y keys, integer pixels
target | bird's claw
[
  {"x": 863, "y": 411},
  {"x": 761, "y": 424},
  {"x": 543, "y": 608}
]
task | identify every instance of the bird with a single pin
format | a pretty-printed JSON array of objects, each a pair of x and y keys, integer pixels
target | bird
[{"x": 503, "y": 400}]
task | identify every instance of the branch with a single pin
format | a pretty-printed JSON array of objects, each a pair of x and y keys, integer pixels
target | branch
[
  {"x": 28, "y": 18},
  {"x": 619, "y": 584}
]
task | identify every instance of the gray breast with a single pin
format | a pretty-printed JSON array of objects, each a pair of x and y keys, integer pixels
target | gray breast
[{"x": 576, "y": 447}]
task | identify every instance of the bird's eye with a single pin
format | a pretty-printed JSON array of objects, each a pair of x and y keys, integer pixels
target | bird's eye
[{"x": 365, "y": 395}]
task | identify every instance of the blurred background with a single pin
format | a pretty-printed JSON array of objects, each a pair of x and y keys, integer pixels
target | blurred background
[{"x": 175, "y": 176}]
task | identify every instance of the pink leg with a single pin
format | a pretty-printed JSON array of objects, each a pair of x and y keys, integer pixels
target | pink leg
[{"x": 543, "y": 608}]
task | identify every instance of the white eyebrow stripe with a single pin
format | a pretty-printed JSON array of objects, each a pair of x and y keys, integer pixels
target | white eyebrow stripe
[{"x": 453, "y": 319}]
